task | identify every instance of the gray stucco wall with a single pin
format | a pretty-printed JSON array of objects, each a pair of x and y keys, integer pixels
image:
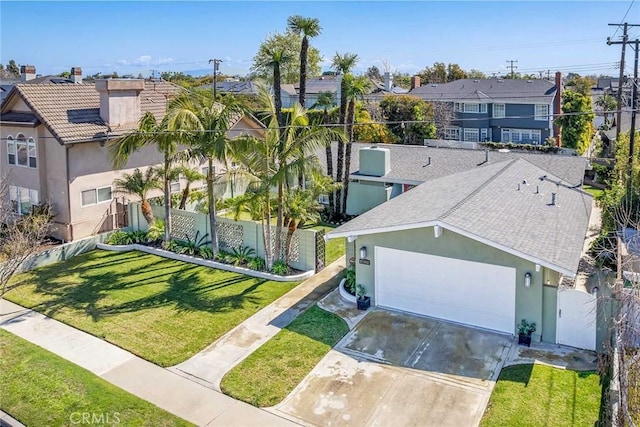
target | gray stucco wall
[
  {"x": 529, "y": 301},
  {"x": 365, "y": 195}
]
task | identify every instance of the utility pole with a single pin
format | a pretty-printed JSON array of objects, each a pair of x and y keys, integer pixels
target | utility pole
[
  {"x": 153, "y": 74},
  {"x": 511, "y": 61},
  {"x": 625, "y": 36},
  {"x": 634, "y": 108},
  {"x": 216, "y": 64}
]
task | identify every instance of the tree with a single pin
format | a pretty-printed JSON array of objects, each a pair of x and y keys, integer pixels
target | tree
[
  {"x": 342, "y": 64},
  {"x": 454, "y": 72},
  {"x": 435, "y": 74},
  {"x": 325, "y": 101},
  {"x": 13, "y": 68},
  {"x": 356, "y": 88},
  {"x": 289, "y": 44},
  {"x": 190, "y": 175},
  {"x": 206, "y": 125},
  {"x": 576, "y": 120},
  {"x": 65, "y": 74},
  {"x": 307, "y": 27},
  {"x": 581, "y": 84},
  {"x": 609, "y": 104},
  {"x": 274, "y": 57},
  {"x": 476, "y": 74},
  {"x": 139, "y": 184},
  {"x": 20, "y": 236},
  {"x": 411, "y": 117},
  {"x": 159, "y": 134},
  {"x": 373, "y": 72},
  {"x": 369, "y": 131}
]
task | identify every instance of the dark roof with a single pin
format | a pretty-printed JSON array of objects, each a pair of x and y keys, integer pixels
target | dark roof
[
  {"x": 491, "y": 204},
  {"x": 320, "y": 84},
  {"x": 247, "y": 88},
  {"x": 488, "y": 90},
  {"x": 18, "y": 117},
  {"x": 408, "y": 162}
]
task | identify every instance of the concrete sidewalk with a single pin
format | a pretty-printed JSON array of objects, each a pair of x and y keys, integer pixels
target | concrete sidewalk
[
  {"x": 165, "y": 389},
  {"x": 211, "y": 364}
]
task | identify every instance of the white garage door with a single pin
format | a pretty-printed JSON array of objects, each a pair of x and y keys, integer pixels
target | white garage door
[{"x": 467, "y": 292}]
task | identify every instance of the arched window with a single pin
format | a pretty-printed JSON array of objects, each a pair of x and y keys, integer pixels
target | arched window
[
  {"x": 24, "y": 152},
  {"x": 11, "y": 150}
]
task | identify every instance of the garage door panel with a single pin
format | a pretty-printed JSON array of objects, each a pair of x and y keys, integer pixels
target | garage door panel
[{"x": 462, "y": 291}]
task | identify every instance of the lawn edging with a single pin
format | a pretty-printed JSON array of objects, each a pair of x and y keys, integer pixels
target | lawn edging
[
  {"x": 205, "y": 262},
  {"x": 344, "y": 294}
]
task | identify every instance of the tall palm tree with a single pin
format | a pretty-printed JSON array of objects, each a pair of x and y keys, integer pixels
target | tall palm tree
[
  {"x": 206, "y": 124},
  {"x": 190, "y": 175},
  {"x": 276, "y": 57},
  {"x": 356, "y": 88},
  {"x": 608, "y": 103},
  {"x": 165, "y": 138},
  {"x": 342, "y": 64},
  {"x": 139, "y": 184},
  {"x": 308, "y": 27},
  {"x": 325, "y": 101}
]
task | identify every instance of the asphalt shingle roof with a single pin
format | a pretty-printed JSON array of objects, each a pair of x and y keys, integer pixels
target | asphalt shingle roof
[
  {"x": 487, "y": 203},
  {"x": 484, "y": 90},
  {"x": 72, "y": 111}
]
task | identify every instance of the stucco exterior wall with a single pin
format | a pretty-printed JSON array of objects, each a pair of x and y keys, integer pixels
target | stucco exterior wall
[
  {"x": 529, "y": 301},
  {"x": 365, "y": 195}
]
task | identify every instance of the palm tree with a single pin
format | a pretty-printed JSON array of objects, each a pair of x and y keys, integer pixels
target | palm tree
[
  {"x": 166, "y": 140},
  {"x": 276, "y": 57},
  {"x": 139, "y": 184},
  {"x": 190, "y": 175},
  {"x": 325, "y": 100},
  {"x": 356, "y": 88},
  {"x": 608, "y": 103},
  {"x": 207, "y": 124},
  {"x": 308, "y": 27},
  {"x": 343, "y": 65}
]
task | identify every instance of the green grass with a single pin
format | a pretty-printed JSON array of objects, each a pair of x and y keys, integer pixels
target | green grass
[
  {"x": 40, "y": 388},
  {"x": 270, "y": 373},
  {"x": 595, "y": 192},
  {"x": 162, "y": 310},
  {"x": 334, "y": 248},
  {"x": 538, "y": 395}
]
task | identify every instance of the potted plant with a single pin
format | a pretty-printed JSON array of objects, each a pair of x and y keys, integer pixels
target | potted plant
[
  {"x": 525, "y": 329},
  {"x": 364, "y": 302}
]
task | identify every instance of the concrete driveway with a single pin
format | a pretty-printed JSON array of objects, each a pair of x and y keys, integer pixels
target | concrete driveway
[{"x": 402, "y": 370}]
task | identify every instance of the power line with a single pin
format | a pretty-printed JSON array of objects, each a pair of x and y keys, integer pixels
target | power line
[{"x": 511, "y": 61}]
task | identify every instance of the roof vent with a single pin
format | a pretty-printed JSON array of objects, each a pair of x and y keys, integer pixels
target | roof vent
[
  {"x": 476, "y": 81},
  {"x": 553, "y": 200},
  {"x": 529, "y": 81},
  {"x": 434, "y": 85},
  {"x": 524, "y": 182}
]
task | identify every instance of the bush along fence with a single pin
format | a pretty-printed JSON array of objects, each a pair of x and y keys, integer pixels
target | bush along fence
[{"x": 307, "y": 246}]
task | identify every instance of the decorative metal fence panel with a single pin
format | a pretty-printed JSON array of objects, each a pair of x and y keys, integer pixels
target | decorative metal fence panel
[{"x": 320, "y": 250}]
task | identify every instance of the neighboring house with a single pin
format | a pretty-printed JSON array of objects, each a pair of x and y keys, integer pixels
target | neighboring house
[
  {"x": 499, "y": 110},
  {"x": 234, "y": 87},
  {"x": 485, "y": 246},
  {"x": 385, "y": 171},
  {"x": 55, "y": 147}
]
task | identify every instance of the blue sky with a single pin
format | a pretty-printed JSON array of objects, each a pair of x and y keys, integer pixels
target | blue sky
[{"x": 135, "y": 37}]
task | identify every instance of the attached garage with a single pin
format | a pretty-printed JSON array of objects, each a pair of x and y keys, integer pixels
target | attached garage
[{"x": 471, "y": 293}]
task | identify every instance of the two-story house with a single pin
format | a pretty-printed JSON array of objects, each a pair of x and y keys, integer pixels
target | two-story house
[
  {"x": 498, "y": 110},
  {"x": 55, "y": 147}
]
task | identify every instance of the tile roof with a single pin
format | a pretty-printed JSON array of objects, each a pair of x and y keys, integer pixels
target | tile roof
[
  {"x": 486, "y": 203},
  {"x": 483, "y": 90},
  {"x": 72, "y": 111},
  {"x": 408, "y": 162}
]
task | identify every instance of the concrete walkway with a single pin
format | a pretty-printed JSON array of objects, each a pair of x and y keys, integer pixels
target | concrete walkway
[{"x": 211, "y": 364}]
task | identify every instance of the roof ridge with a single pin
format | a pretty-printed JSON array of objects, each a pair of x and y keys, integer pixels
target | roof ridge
[{"x": 477, "y": 189}]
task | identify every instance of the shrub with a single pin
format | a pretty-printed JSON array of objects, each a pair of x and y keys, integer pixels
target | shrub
[
  {"x": 138, "y": 236},
  {"x": 350, "y": 282},
  {"x": 256, "y": 263},
  {"x": 119, "y": 238},
  {"x": 526, "y": 328},
  {"x": 280, "y": 268},
  {"x": 173, "y": 246},
  {"x": 191, "y": 247},
  {"x": 223, "y": 256},
  {"x": 205, "y": 252},
  {"x": 241, "y": 256},
  {"x": 156, "y": 231}
]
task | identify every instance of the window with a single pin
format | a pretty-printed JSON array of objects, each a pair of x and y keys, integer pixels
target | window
[
  {"x": 23, "y": 199},
  {"x": 452, "y": 133},
  {"x": 175, "y": 186},
  {"x": 471, "y": 108},
  {"x": 96, "y": 195},
  {"x": 483, "y": 108},
  {"x": 457, "y": 107},
  {"x": 498, "y": 111},
  {"x": 471, "y": 135},
  {"x": 523, "y": 136},
  {"x": 323, "y": 199},
  {"x": 21, "y": 151},
  {"x": 484, "y": 135},
  {"x": 11, "y": 150},
  {"x": 542, "y": 112}
]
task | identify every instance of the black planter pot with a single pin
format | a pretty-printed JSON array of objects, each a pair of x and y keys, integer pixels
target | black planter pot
[
  {"x": 364, "y": 303},
  {"x": 524, "y": 340}
]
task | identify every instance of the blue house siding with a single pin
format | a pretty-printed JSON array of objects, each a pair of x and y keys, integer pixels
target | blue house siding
[{"x": 520, "y": 116}]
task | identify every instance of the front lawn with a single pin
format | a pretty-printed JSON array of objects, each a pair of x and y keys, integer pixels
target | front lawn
[
  {"x": 162, "y": 310},
  {"x": 271, "y": 372},
  {"x": 40, "y": 388},
  {"x": 538, "y": 395},
  {"x": 595, "y": 192}
]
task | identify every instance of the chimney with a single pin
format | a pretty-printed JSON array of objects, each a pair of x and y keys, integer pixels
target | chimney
[
  {"x": 388, "y": 81},
  {"x": 557, "y": 109},
  {"x": 120, "y": 101},
  {"x": 27, "y": 72},
  {"x": 76, "y": 74},
  {"x": 415, "y": 82}
]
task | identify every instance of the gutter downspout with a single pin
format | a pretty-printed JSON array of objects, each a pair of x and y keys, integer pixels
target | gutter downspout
[{"x": 68, "y": 147}]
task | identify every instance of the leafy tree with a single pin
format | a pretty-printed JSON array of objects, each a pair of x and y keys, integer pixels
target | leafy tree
[
  {"x": 411, "y": 117},
  {"x": 609, "y": 104},
  {"x": 13, "y": 68},
  {"x": 206, "y": 125},
  {"x": 402, "y": 80},
  {"x": 366, "y": 130},
  {"x": 342, "y": 64},
  {"x": 435, "y": 74},
  {"x": 581, "y": 84},
  {"x": 307, "y": 27},
  {"x": 139, "y": 184},
  {"x": 476, "y": 74},
  {"x": 373, "y": 72},
  {"x": 576, "y": 120},
  {"x": 454, "y": 72},
  {"x": 289, "y": 45},
  {"x": 65, "y": 74}
]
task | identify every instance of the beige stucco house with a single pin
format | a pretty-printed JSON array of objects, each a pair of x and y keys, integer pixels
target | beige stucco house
[{"x": 55, "y": 147}]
